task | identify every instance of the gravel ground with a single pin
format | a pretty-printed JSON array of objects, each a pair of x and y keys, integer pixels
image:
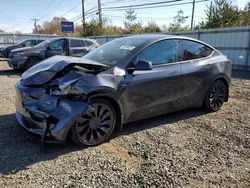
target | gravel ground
[{"x": 191, "y": 148}]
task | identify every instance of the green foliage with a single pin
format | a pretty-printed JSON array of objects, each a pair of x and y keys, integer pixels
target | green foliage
[
  {"x": 52, "y": 27},
  {"x": 152, "y": 27},
  {"x": 130, "y": 23},
  {"x": 224, "y": 13},
  {"x": 179, "y": 20},
  {"x": 93, "y": 28}
]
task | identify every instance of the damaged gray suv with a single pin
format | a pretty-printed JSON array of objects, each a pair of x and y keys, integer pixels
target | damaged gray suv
[{"x": 124, "y": 80}]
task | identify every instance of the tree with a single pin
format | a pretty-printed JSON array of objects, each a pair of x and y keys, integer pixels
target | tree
[
  {"x": 179, "y": 20},
  {"x": 52, "y": 27},
  {"x": 1, "y": 31},
  {"x": 221, "y": 13},
  {"x": 152, "y": 27},
  {"x": 245, "y": 15},
  {"x": 130, "y": 23}
]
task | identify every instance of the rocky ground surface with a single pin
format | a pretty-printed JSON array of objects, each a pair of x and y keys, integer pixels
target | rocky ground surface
[{"x": 191, "y": 148}]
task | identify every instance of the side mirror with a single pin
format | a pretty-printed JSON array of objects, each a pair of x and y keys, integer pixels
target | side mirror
[
  {"x": 143, "y": 65},
  {"x": 23, "y": 45},
  {"x": 48, "y": 48}
]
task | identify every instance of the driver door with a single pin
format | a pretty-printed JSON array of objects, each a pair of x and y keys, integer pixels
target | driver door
[
  {"x": 56, "y": 48},
  {"x": 154, "y": 92}
]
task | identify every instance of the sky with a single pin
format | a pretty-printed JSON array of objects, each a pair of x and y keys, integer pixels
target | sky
[{"x": 16, "y": 15}]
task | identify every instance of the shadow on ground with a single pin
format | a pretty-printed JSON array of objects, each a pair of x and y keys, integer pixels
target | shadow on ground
[
  {"x": 10, "y": 73},
  {"x": 18, "y": 149}
]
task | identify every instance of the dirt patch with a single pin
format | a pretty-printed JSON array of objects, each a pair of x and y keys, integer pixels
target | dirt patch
[{"x": 113, "y": 148}]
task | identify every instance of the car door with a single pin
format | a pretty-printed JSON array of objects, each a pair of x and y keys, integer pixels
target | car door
[
  {"x": 56, "y": 48},
  {"x": 154, "y": 92},
  {"x": 195, "y": 69},
  {"x": 77, "y": 47}
]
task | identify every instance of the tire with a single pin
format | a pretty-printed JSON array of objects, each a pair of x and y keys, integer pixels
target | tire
[
  {"x": 216, "y": 96},
  {"x": 31, "y": 62},
  {"x": 96, "y": 127}
]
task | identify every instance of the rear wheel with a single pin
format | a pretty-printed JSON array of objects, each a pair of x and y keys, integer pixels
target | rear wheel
[
  {"x": 95, "y": 127},
  {"x": 31, "y": 62},
  {"x": 216, "y": 96}
]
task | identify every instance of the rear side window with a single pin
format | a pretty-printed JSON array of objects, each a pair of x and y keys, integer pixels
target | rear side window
[
  {"x": 193, "y": 50},
  {"x": 39, "y": 41},
  {"x": 76, "y": 43},
  {"x": 88, "y": 43}
]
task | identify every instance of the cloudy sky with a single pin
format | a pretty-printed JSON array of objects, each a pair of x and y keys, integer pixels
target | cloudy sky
[{"x": 16, "y": 14}]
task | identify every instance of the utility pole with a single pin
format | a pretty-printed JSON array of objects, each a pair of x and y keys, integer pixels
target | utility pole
[
  {"x": 100, "y": 12},
  {"x": 192, "y": 19},
  {"x": 35, "y": 20},
  {"x": 83, "y": 16}
]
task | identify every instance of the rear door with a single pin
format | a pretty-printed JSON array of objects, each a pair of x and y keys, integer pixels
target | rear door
[
  {"x": 56, "y": 48},
  {"x": 77, "y": 47},
  {"x": 196, "y": 67},
  {"x": 154, "y": 92}
]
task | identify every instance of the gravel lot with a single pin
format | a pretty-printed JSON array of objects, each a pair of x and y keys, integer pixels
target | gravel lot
[{"x": 191, "y": 148}]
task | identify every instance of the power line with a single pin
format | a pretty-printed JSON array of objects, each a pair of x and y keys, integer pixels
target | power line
[
  {"x": 144, "y": 4},
  {"x": 156, "y": 6},
  {"x": 71, "y": 9},
  {"x": 43, "y": 9},
  {"x": 52, "y": 9},
  {"x": 80, "y": 16}
]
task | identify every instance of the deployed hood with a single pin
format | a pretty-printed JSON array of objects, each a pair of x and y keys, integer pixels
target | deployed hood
[
  {"x": 49, "y": 68},
  {"x": 24, "y": 49}
]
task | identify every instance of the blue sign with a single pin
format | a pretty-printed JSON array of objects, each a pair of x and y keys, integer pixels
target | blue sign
[{"x": 67, "y": 27}]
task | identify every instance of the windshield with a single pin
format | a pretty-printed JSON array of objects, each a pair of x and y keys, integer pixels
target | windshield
[
  {"x": 44, "y": 43},
  {"x": 114, "y": 51}
]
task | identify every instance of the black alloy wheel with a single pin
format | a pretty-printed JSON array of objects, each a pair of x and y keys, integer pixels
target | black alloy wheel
[
  {"x": 31, "y": 62},
  {"x": 95, "y": 127},
  {"x": 216, "y": 95}
]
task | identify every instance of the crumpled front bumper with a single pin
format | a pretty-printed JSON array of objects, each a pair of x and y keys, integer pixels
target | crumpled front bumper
[{"x": 40, "y": 113}]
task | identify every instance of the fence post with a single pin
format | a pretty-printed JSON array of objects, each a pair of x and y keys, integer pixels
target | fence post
[
  {"x": 13, "y": 35},
  {"x": 107, "y": 39},
  {"x": 248, "y": 49},
  {"x": 199, "y": 33}
]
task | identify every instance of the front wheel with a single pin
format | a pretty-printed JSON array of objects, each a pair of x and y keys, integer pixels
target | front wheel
[
  {"x": 95, "y": 127},
  {"x": 31, "y": 62},
  {"x": 216, "y": 96}
]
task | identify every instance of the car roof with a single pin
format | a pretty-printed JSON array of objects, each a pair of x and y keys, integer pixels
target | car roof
[
  {"x": 148, "y": 38},
  {"x": 153, "y": 37}
]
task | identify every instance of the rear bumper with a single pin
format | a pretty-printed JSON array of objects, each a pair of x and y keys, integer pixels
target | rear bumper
[{"x": 36, "y": 115}]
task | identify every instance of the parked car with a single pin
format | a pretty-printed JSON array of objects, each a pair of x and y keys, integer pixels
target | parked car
[
  {"x": 24, "y": 58},
  {"x": 4, "y": 52},
  {"x": 124, "y": 80}
]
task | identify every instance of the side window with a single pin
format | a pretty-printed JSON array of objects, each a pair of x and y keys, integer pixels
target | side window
[
  {"x": 39, "y": 41},
  {"x": 162, "y": 52},
  {"x": 88, "y": 43},
  {"x": 27, "y": 43},
  {"x": 194, "y": 50},
  {"x": 76, "y": 43},
  {"x": 57, "y": 45},
  {"x": 33, "y": 42}
]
